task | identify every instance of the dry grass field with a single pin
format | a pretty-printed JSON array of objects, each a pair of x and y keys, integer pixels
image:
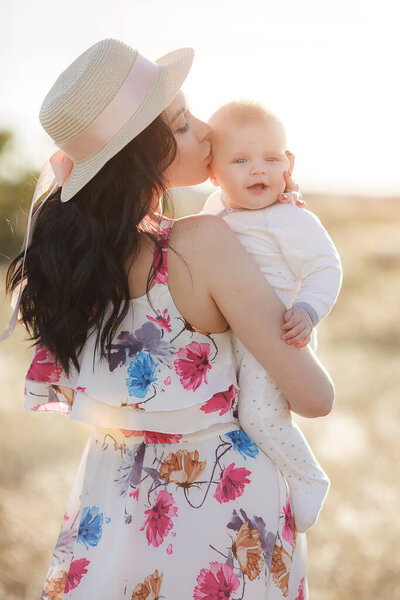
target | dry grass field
[{"x": 353, "y": 549}]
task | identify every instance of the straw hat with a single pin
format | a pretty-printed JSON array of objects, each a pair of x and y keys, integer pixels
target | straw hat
[
  {"x": 92, "y": 84},
  {"x": 105, "y": 98}
]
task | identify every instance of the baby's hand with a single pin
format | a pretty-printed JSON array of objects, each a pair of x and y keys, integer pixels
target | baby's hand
[
  {"x": 291, "y": 195},
  {"x": 298, "y": 326}
]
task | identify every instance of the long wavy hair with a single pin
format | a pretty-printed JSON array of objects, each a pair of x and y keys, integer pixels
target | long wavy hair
[{"x": 74, "y": 267}]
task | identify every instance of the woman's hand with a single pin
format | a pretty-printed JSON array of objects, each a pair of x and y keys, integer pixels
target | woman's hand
[{"x": 291, "y": 195}]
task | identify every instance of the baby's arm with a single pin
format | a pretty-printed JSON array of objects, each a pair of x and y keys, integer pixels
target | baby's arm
[{"x": 313, "y": 258}]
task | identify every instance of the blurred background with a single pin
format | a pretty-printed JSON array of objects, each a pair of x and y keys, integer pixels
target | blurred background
[{"x": 330, "y": 71}]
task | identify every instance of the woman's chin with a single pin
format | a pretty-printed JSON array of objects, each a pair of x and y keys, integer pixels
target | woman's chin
[
  {"x": 204, "y": 177},
  {"x": 191, "y": 181}
]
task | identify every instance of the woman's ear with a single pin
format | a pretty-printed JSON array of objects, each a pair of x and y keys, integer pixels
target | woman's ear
[{"x": 213, "y": 179}]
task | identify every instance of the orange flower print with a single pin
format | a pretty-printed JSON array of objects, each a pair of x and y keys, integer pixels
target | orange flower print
[
  {"x": 247, "y": 549},
  {"x": 56, "y": 585},
  {"x": 182, "y": 467},
  {"x": 280, "y": 569},
  {"x": 67, "y": 392},
  {"x": 149, "y": 589}
]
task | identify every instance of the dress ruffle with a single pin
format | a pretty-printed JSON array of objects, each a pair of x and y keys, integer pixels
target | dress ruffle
[{"x": 161, "y": 375}]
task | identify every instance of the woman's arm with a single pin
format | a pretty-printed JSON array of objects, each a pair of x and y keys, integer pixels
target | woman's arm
[{"x": 255, "y": 314}]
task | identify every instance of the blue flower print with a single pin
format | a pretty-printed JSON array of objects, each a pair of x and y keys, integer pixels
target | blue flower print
[
  {"x": 141, "y": 371},
  {"x": 242, "y": 443},
  {"x": 91, "y": 526}
]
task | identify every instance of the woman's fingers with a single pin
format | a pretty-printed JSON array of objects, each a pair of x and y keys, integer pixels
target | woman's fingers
[
  {"x": 291, "y": 185},
  {"x": 292, "y": 198},
  {"x": 291, "y": 160}
]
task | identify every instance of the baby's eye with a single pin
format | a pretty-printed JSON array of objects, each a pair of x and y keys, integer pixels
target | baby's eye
[
  {"x": 239, "y": 159},
  {"x": 271, "y": 159}
]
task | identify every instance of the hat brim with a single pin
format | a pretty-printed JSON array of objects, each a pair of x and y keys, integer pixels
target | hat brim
[{"x": 173, "y": 70}]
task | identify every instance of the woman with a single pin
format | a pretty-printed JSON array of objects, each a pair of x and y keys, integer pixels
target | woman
[{"x": 171, "y": 499}]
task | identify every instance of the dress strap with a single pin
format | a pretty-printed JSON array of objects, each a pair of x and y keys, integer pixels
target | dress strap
[{"x": 161, "y": 263}]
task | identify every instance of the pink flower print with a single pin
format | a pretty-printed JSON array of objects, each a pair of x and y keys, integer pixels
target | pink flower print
[
  {"x": 193, "y": 364},
  {"x": 76, "y": 571},
  {"x": 169, "y": 549},
  {"x": 220, "y": 401},
  {"x": 157, "y": 437},
  {"x": 287, "y": 530},
  {"x": 159, "y": 520},
  {"x": 43, "y": 366},
  {"x": 164, "y": 233},
  {"x": 163, "y": 320},
  {"x": 135, "y": 494},
  {"x": 55, "y": 407},
  {"x": 219, "y": 581},
  {"x": 301, "y": 590},
  {"x": 81, "y": 389},
  {"x": 231, "y": 484},
  {"x": 161, "y": 275},
  {"x": 131, "y": 432},
  {"x": 167, "y": 381}
]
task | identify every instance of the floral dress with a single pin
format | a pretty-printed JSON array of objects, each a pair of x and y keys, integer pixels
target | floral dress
[{"x": 171, "y": 500}]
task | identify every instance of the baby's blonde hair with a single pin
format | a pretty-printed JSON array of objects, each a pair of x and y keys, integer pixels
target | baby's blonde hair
[{"x": 243, "y": 112}]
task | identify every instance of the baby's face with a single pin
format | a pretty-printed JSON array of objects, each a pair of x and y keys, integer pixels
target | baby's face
[{"x": 249, "y": 161}]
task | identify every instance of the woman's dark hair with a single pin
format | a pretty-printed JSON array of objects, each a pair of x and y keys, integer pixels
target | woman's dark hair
[{"x": 74, "y": 267}]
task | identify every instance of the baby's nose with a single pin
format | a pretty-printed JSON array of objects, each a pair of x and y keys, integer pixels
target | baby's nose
[{"x": 259, "y": 169}]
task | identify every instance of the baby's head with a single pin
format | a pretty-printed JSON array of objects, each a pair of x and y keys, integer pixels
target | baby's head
[{"x": 249, "y": 160}]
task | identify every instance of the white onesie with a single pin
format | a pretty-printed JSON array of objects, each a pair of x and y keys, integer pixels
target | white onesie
[{"x": 300, "y": 261}]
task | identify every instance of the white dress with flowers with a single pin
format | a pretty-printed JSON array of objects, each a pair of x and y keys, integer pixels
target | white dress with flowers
[{"x": 171, "y": 499}]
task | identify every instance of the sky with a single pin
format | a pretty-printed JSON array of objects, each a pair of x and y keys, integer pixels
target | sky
[{"x": 329, "y": 70}]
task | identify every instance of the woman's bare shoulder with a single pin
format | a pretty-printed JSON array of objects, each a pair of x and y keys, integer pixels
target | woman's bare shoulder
[{"x": 202, "y": 230}]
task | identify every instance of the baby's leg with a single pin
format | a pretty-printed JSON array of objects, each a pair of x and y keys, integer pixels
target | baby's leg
[{"x": 264, "y": 415}]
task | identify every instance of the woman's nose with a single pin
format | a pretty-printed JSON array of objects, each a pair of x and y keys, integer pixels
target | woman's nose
[{"x": 203, "y": 130}]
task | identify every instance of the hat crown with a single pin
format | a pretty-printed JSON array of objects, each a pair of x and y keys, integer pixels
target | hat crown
[{"x": 85, "y": 88}]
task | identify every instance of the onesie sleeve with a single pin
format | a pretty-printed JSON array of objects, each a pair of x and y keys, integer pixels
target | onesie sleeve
[
  {"x": 311, "y": 256},
  {"x": 214, "y": 204}
]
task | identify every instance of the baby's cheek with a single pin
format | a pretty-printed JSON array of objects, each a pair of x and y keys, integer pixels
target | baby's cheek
[{"x": 281, "y": 183}]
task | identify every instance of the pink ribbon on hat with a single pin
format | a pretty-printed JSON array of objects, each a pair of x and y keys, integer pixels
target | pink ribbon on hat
[{"x": 57, "y": 169}]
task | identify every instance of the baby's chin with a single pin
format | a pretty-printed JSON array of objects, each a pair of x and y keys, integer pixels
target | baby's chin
[{"x": 256, "y": 204}]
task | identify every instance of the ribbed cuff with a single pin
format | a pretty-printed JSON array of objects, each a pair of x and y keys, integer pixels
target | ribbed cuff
[{"x": 310, "y": 311}]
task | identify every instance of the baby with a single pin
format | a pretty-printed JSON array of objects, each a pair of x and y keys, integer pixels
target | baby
[{"x": 300, "y": 261}]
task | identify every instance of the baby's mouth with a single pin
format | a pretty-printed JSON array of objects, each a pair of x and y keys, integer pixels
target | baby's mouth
[{"x": 257, "y": 186}]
